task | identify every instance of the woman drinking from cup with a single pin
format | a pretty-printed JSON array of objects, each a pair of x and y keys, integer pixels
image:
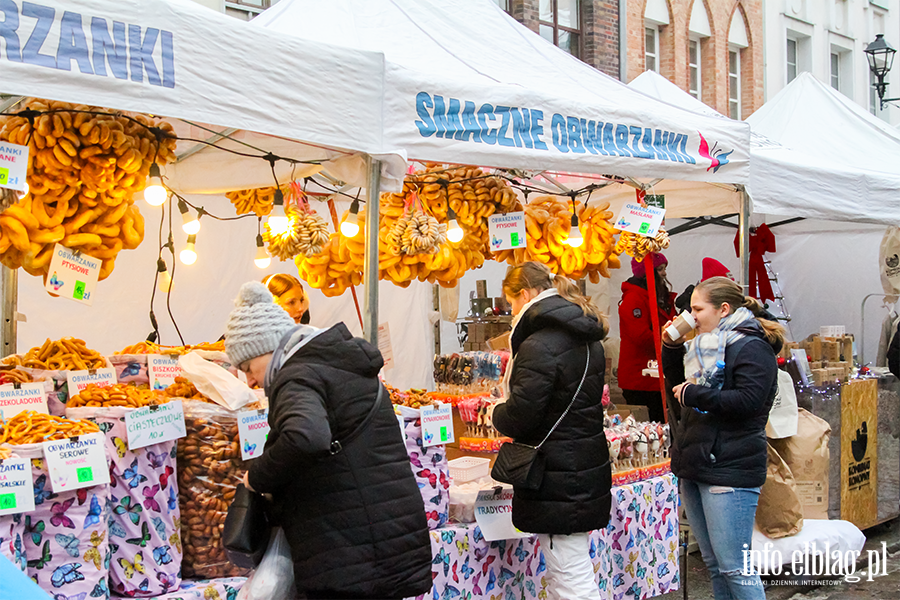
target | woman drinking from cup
[{"x": 721, "y": 386}]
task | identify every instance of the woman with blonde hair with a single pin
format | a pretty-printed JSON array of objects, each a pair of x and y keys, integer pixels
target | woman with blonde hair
[
  {"x": 289, "y": 295},
  {"x": 721, "y": 387},
  {"x": 555, "y": 379}
]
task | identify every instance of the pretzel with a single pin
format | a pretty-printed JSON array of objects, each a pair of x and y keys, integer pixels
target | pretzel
[
  {"x": 15, "y": 376},
  {"x": 117, "y": 395},
  {"x": 151, "y": 348},
  {"x": 30, "y": 427},
  {"x": 67, "y": 354},
  {"x": 182, "y": 388}
]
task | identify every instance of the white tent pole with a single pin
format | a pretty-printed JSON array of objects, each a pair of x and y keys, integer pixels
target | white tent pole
[
  {"x": 370, "y": 264},
  {"x": 744, "y": 240},
  {"x": 9, "y": 290}
]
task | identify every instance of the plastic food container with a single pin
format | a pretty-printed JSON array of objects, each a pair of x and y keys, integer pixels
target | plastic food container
[{"x": 469, "y": 468}]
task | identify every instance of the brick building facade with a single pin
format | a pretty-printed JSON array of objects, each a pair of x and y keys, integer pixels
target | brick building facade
[
  {"x": 711, "y": 48},
  {"x": 598, "y": 22}
]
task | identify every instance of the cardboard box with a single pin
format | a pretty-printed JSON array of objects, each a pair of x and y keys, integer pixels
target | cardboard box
[
  {"x": 831, "y": 351},
  {"x": 641, "y": 413},
  {"x": 835, "y": 374},
  {"x": 786, "y": 349},
  {"x": 820, "y": 376},
  {"x": 501, "y": 342},
  {"x": 813, "y": 346}
]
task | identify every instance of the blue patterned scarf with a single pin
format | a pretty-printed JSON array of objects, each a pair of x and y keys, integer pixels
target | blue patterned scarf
[{"x": 704, "y": 363}]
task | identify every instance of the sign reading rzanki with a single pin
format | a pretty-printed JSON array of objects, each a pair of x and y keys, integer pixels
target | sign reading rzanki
[
  {"x": 35, "y": 34},
  {"x": 520, "y": 127}
]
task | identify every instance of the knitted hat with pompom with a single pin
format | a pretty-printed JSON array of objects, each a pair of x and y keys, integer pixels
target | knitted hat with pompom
[{"x": 256, "y": 324}]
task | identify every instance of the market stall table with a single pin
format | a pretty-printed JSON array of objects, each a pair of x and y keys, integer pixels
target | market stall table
[{"x": 636, "y": 555}]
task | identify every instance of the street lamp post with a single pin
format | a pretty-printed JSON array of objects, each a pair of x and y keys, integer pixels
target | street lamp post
[{"x": 880, "y": 55}]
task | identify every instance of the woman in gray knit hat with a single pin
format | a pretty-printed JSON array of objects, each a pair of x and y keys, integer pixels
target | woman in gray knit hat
[{"x": 335, "y": 463}]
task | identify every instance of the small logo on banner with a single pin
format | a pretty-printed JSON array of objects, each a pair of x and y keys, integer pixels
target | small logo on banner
[{"x": 717, "y": 156}]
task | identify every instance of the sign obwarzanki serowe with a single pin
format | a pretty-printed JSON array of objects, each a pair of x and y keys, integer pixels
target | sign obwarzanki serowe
[
  {"x": 39, "y": 35},
  {"x": 515, "y": 126}
]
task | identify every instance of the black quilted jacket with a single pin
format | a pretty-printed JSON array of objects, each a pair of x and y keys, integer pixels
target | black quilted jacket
[
  {"x": 550, "y": 348},
  {"x": 355, "y": 520},
  {"x": 725, "y": 444}
]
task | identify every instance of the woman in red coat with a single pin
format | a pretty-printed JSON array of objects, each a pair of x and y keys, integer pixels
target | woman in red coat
[{"x": 637, "y": 335}]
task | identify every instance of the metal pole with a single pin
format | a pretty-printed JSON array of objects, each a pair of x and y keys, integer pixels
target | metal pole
[
  {"x": 744, "y": 240},
  {"x": 370, "y": 264},
  {"x": 860, "y": 349},
  {"x": 9, "y": 289}
]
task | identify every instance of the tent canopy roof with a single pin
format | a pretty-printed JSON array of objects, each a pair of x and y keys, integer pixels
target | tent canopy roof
[
  {"x": 795, "y": 177},
  {"x": 472, "y": 60},
  {"x": 177, "y": 59}
]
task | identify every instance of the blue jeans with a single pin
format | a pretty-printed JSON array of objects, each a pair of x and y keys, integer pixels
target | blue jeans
[{"x": 721, "y": 519}]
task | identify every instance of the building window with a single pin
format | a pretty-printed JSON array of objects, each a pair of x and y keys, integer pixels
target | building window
[
  {"x": 694, "y": 67},
  {"x": 791, "y": 60},
  {"x": 504, "y": 4},
  {"x": 873, "y": 94},
  {"x": 836, "y": 70},
  {"x": 651, "y": 49},
  {"x": 734, "y": 84},
  {"x": 246, "y": 9},
  {"x": 560, "y": 23}
]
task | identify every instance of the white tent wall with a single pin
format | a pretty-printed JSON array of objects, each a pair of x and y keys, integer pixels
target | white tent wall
[
  {"x": 824, "y": 269},
  {"x": 203, "y": 293}
]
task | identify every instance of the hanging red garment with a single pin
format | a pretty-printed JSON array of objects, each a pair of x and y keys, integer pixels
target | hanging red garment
[{"x": 761, "y": 240}]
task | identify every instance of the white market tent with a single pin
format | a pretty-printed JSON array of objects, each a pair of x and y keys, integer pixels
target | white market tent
[
  {"x": 212, "y": 76},
  {"x": 465, "y": 83},
  {"x": 798, "y": 175},
  {"x": 810, "y": 117}
]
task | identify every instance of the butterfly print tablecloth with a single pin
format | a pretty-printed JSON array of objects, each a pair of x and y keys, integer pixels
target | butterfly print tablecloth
[
  {"x": 429, "y": 465},
  {"x": 635, "y": 557},
  {"x": 225, "y": 588},
  {"x": 65, "y": 539},
  {"x": 144, "y": 518}
]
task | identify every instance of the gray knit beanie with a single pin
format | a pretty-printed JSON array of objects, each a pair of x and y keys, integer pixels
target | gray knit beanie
[{"x": 256, "y": 324}]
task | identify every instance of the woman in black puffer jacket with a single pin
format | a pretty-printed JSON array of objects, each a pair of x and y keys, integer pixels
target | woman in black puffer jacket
[
  {"x": 334, "y": 461},
  {"x": 553, "y": 330},
  {"x": 721, "y": 387}
]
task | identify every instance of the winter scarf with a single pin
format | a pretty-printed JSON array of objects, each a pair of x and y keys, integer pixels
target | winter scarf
[
  {"x": 704, "y": 362},
  {"x": 509, "y": 367},
  {"x": 290, "y": 343}
]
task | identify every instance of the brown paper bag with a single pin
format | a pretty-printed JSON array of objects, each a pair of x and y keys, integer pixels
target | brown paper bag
[
  {"x": 806, "y": 455},
  {"x": 779, "y": 513}
]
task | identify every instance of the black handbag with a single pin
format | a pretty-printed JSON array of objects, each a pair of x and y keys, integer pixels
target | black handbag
[
  {"x": 245, "y": 535},
  {"x": 522, "y": 465},
  {"x": 246, "y": 532}
]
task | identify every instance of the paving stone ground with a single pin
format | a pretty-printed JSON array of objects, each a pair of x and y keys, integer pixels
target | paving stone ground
[{"x": 882, "y": 587}]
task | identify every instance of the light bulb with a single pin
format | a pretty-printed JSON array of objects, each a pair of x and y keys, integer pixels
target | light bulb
[
  {"x": 155, "y": 194},
  {"x": 262, "y": 260},
  {"x": 188, "y": 256},
  {"x": 350, "y": 226},
  {"x": 278, "y": 222},
  {"x": 190, "y": 223},
  {"x": 454, "y": 231},
  {"x": 575, "y": 239},
  {"x": 165, "y": 280}
]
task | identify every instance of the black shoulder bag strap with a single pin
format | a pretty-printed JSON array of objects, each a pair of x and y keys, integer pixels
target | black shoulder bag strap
[
  {"x": 337, "y": 446},
  {"x": 578, "y": 391}
]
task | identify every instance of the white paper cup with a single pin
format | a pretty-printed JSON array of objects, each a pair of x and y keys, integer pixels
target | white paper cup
[{"x": 681, "y": 326}]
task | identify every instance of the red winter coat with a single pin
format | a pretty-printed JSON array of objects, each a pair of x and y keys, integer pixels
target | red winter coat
[{"x": 636, "y": 333}]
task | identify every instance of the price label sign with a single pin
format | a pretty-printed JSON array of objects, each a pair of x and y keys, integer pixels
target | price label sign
[
  {"x": 642, "y": 220},
  {"x": 384, "y": 345},
  {"x": 78, "y": 380},
  {"x": 437, "y": 424},
  {"x": 16, "y": 489},
  {"x": 76, "y": 463},
  {"x": 253, "y": 429},
  {"x": 507, "y": 232},
  {"x": 13, "y": 166},
  {"x": 155, "y": 424},
  {"x": 28, "y": 396},
  {"x": 73, "y": 275},
  {"x": 163, "y": 370},
  {"x": 493, "y": 513}
]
